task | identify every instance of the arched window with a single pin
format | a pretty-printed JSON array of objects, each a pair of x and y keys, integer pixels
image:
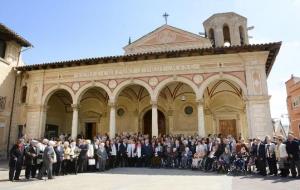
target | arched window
[
  {"x": 2, "y": 48},
  {"x": 226, "y": 35},
  {"x": 211, "y": 36},
  {"x": 23, "y": 94},
  {"x": 242, "y": 35}
]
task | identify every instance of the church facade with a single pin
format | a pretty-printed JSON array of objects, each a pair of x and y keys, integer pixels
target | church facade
[{"x": 169, "y": 81}]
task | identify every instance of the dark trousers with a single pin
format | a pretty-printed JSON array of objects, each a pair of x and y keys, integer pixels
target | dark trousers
[
  {"x": 82, "y": 165},
  {"x": 147, "y": 160},
  {"x": 57, "y": 167},
  {"x": 74, "y": 165},
  {"x": 123, "y": 161},
  {"x": 139, "y": 162},
  {"x": 293, "y": 165},
  {"x": 112, "y": 161},
  {"x": 15, "y": 170},
  {"x": 261, "y": 166},
  {"x": 272, "y": 165},
  {"x": 30, "y": 171},
  {"x": 66, "y": 167}
]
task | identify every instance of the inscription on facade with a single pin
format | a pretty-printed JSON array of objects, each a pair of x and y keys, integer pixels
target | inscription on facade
[{"x": 129, "y": 70}]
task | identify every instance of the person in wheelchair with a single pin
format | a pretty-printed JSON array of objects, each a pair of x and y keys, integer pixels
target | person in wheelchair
[
  {"x": 186, "y": 158},
  {"x": 224, "y": 161}
]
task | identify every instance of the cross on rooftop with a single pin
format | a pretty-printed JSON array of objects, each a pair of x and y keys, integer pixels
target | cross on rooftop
[{"x": 165, "y": 15}]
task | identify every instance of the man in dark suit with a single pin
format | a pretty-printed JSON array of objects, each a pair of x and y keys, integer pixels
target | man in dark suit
[
  {"x": 292, "y": 148},
  {"x": 122, "y": 150},
  {"x": 147, "y": 153},
  {"x": 261, "y": 157},
  {"x": 14, "y": 160},
  {"x": 31, "y": 159},
  {"x": 82, "y": 158}
]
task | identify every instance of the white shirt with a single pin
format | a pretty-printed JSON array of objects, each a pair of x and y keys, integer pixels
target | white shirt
[
  {"x": 90, "y": 152},
  {"x": 282, "y": 150},
  {"x": 113, "y": 150},
  {"x": 139, "y": 151}
]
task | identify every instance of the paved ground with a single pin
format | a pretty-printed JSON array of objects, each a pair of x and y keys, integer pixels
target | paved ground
[{"x": 154, "y": 179}]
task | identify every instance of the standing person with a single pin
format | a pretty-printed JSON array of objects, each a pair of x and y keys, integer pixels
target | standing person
[
  {"x": 282, "y": 156},
  {"x": 67, "y": 157},
  {"x": 270, "y": 155},
  {"x": 147, "y": 153},
  {"x": 123, "y": 153},
  {"x": 292, "y": 148},
  {"x": 102, "y": 157},
  {"x": 31, "y": 159},
  {"x": 82, "y": 158},
  {"x": 59, "y": 151},
  {"x": 49, "y": 157},
  {"x": 138, "y": 154},
  {"x": 74, "y": 153},
  {"x": 261, "y": 157},
  {"x": 14, "y": 159},
  {"x": 108, "y": 151},
  {"x": 113, "y": 154},
  {"x": 91, "y": 165}
]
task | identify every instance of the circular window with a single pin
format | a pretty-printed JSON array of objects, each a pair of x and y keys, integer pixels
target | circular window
[
  {"x": 188, "y": 110},
  {"x": 120, "y": 112}
]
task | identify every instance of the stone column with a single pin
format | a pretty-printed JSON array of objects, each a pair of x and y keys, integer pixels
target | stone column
[
  {"x": 154, "y": 119},
  {"x": 43, "y": 120},
  {"x": 112, "y": 120},
  {"x": 201, "y": 123},
  {"x": 75, "y": 121}
]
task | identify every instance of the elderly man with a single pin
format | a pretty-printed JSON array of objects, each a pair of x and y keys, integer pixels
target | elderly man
[
  {"x": 102, "y": 157},
  {"x": 31, "y": 159},
  {"x": 292, "y": 148},
  {"x": 49, "y": 157}
]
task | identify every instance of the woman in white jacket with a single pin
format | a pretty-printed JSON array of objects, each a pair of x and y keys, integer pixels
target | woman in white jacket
[{"x": 281, "y": 156}]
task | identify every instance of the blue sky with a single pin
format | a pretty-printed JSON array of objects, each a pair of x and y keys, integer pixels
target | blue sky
[{"x": 72, "y": 29}]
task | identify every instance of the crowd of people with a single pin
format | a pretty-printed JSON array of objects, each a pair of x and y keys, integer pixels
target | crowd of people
[{"x": 215, "y": 153}]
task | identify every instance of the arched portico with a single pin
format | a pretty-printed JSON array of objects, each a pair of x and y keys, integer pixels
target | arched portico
[{"x": 167, "y": 81}]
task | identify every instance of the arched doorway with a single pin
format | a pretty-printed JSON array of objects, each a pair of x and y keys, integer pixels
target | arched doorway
[
  {"x": 225, "y": 109},
  {"x": 147, "y": 123},
  {"x": 59, "y": 114}
]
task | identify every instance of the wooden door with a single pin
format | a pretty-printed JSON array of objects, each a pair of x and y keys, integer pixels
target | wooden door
[
  {"x": 228, "y": 127},
  {"x": 90, "y": 130}
]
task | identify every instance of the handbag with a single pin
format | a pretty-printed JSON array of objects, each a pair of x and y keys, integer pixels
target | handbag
[{"x": 92, "y": 162}]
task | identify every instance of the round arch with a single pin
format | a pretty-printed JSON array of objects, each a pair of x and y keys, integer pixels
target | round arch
[
  {"x": 149, "y": 108},
  {"x": 213, "y": 78},
  {"x": 127, "y": 83},
  {"x": 54, "y": 89},
  {"x": 88, "y": 86},
  {"x": 167, "y": 81}
]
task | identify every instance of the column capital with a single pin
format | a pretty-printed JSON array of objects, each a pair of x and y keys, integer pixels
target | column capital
[
  {"x": 112, "y": 104},
  {"x": 200, "y": 102},
  {"x": 153, "y": 103},
  {"x": 75, "y": 106},
  {"x": 45, "y": 108}
]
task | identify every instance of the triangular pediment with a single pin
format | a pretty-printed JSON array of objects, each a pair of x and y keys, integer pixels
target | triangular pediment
[{"x": 166, "y": 38}]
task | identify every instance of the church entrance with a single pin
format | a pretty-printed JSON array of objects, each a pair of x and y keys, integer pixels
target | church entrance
[
  {"x": 228, "y": 127},
  {"x": 147, "y": 129}
]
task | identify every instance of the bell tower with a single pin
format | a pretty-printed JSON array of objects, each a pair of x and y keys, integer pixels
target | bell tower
[{"x": 226, "y": 29}]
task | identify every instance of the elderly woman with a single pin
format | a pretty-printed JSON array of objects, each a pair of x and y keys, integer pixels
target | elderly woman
[
  {"x": 90, "y": 155},
  {"x": 67, "y": 159},
  {"x": 102, "y": 157},
  {"x": 281, "y": 156}
]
